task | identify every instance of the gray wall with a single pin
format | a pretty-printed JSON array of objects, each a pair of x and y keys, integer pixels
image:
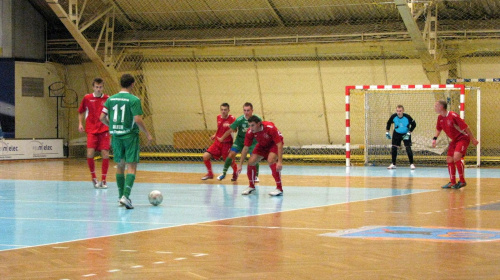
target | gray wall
[{"x": 22, "y": 31}]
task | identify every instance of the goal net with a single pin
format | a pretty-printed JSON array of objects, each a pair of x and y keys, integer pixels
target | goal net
[{"x": 368, "y": 109}]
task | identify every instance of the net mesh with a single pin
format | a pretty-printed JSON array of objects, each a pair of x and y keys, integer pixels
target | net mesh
[
  {"x": 292, "y": 59},
  {"x": 371, "y": 110}
]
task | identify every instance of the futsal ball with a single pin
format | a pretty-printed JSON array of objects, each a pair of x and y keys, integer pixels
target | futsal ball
[{"x": 155, "y": 197}]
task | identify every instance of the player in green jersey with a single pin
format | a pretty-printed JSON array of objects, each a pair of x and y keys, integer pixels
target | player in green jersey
[
  {"x": 122, "y": 112},
  {"x": 240, "y": 126}
]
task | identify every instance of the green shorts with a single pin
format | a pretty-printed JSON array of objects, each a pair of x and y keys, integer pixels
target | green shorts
[
  {"x": 125, "y": 148},
  {"x": 239, "y": 144}
]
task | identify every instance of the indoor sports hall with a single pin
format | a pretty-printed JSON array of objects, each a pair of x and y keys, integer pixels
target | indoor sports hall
[{"x": 328, "y": 74}]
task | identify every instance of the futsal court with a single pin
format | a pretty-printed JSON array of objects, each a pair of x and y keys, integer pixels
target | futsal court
[{"x": 332, "y": 222}]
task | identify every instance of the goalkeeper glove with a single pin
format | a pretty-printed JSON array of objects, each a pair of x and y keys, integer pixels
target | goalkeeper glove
[
  {"x": 387, "y": 135},
  {"x": 407, "y": 136}
]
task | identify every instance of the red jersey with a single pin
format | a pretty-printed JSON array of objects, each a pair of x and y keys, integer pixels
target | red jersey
[
  {"x": 221, "y": 129},
  {"x": 92, "y": 107},
  {"x": 453, "y": 126},
  {"x": 266, "y": 138}
]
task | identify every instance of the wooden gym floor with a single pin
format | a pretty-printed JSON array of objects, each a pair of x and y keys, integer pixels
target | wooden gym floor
[{"x": 331, "y": 223}]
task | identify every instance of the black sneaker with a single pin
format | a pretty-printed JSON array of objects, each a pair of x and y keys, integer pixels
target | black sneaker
[
  {"x": 448, "y": 186},
  {"x": 459, "y": 185}
]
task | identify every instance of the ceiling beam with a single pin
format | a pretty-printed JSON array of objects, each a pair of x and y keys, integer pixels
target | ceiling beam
[
  {"x": 109, "y": 73},
  {"x": 431, "y": 67},
  {"x": 275, "y": 13}
]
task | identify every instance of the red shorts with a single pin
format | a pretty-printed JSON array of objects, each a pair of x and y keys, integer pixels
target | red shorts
[
  {"x": 98, "y": 141},
  {"x": 218, "y": 149},
  {"x": 459, "y": 146},
  {"x": 264, "y": 151}
]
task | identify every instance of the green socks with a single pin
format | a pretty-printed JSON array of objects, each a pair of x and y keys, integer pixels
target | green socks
[
  {"x": 120, "y": 181},
  {"x": 129, "y": 182}
]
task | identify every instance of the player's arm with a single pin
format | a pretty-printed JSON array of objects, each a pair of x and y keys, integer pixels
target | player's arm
[
  {"x": 413, "y": 124},
  {"x": 434, "y": 140},
  {"x": 225, "y": 135},
  {"x": 142, "y": 126},
  {"x": 244, "y": 153},
  {"x": 472, "y": 138},
  {"x": 81, "y": 117},
  {"x": 388, "y": 127},
  {"x": 389, "y": 123},
  {"x": 104, "y": 118}
]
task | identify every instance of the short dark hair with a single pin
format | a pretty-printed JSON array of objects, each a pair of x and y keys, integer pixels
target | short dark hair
[
  {"x": 444, "y": 104},
  {"x": 97, "y": 81},
  {"x": 254, "y": 119},
  {"x": 224, "y": 105},
  {"x": 126, "y": 80},
  {"x": 248, "y": 104}
]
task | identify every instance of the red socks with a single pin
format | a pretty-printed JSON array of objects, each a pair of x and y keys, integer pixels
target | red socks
[
  {"x": 277, "y": 176},
  {"x": 104, "y": 168},
  {"x": 460, "y": 168},
  {"x": 451, "y": 171},
  {"x": 91, "y": 163},
  {"x": 251, "y": 173},
  {"x": 234, "y": 166},
  {"x": 208, "y": 164}
]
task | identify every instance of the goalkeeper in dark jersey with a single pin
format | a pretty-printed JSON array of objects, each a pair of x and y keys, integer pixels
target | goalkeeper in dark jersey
[{"x": 404, "y": 125}]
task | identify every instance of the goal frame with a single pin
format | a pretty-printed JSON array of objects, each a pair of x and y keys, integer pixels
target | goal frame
[{"x": 459, "y": 87}]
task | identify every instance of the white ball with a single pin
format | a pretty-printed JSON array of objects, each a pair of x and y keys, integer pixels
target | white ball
[{"x": 155, "y": 197}]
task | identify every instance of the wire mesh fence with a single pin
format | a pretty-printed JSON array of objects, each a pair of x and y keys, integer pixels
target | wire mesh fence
[{"x": 290, "y": 59}]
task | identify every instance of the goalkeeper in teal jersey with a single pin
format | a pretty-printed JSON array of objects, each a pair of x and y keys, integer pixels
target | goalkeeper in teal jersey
[
  {"x": 241, "y": 126},
  {"x": 404, "y": 125},
  {"x": 122, "y": 112}
]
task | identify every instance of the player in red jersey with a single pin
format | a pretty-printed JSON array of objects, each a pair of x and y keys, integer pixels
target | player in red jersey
[
  {"x": 269, "y": 146},
  {"x": 97, "y": 133},
  {"x": 219, "y": 149},
  {"x": 460, "y": 134}
]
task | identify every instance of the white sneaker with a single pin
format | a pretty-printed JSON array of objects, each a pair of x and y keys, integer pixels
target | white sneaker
[
  {"x": 126, "y": 202},
  {"x": 276, "y": 192},
  {"x": 392, "y": 166},
  {"x": 248, "y": 191},
  {"x": 96, "y": 183},
  {"x": 412, "y": 166},
  {"x": 103, "y": 185},
  {"x": 257, "y": 179},
  {"x": 221, "y": 177}
]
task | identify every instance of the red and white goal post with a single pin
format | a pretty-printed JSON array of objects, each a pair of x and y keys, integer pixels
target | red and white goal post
[{"x": 368, "y": 108}]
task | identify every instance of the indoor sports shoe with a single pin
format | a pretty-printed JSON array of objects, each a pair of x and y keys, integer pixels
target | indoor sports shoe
[
  {"x": 392, "y": 166},
  {"x": 412, "y": 166},
  {"x": 126, "y": 202},
  {"x": 221, "y": 177},
  {"x": 248, "y": 191},
  {"x": 447, "y": 186},
  {"x": 459, "y": 185},
  {"x": 95, "y": 183},
  {"x": 257, "y": 179},
  {"x": 235, "y": 177},
  {"x": 276, "y": 192},
  {"x": 103, "y": 185},
  {"x": 208, "y": 176}
]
